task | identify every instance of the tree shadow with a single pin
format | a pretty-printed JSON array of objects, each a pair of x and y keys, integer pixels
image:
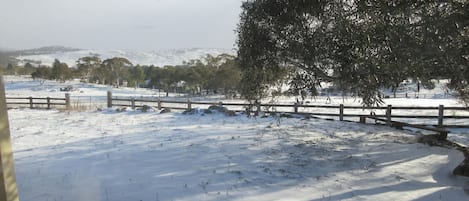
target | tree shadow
[{"x": 217, "y": 158}]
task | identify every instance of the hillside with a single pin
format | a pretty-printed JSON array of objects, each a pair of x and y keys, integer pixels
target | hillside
[
  {"x": 157, "y": 58},
  {"x": 8, "y": 55}
]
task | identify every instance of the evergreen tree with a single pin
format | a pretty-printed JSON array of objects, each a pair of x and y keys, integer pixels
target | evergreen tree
[
  {"x": 11, "y": 69},
  {"x": 42, "y": 72},
  {"x": 227, "y": 76},
  {"x": 60, "y": 71},
  {"x": 216, "y": 74},
  {"x": 116, "y": 69},
  {"x": 136, "y": 75},
  {"x": 86, "y": 66},
  {"x": 27, "y": 69},
  {"x": 360, "y": 45}
]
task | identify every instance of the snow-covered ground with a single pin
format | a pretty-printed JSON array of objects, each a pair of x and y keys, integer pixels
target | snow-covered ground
[
  {"x": 113, "y": 156},
  {"x": 92, "y": 96}
]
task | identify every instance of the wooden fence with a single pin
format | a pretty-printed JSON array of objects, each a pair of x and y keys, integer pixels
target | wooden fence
[
  {"x": 439, "y": 114},
  {"x": 35, "y": 102}
]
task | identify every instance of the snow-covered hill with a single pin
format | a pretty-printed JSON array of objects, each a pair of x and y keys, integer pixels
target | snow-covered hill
[
  {"x": 156, "y": 58},
  {"x": 47, "y": 50}
]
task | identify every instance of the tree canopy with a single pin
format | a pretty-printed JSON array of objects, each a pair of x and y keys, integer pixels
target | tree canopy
[
  {"x": 360, "y": 45},
  {"x": 86, "y": 66},
  {"x": 116, "y": 69},
  {"x": 60, "y": 71}
]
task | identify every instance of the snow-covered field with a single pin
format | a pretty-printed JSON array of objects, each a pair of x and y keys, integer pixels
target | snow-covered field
[
  {"x": 113, "y": 156},
  {"x": 157, "y": 58}
]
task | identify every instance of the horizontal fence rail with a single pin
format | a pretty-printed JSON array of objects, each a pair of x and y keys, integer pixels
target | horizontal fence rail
[
  {"x": 440, "y": 116},
  {"x": 39, "y": 102}
]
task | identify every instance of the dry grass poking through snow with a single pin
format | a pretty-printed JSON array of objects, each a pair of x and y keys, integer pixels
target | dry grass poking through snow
[{"x": 132, "y": 155}]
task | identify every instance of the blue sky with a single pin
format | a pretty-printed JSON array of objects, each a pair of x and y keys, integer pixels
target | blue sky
[{"x": 119, "y": 24}]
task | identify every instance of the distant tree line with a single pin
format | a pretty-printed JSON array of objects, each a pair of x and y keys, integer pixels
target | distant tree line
[
  {"x": 360, "y": 46},
  {"x": 11, "y": 69},
  {"x": 211, "y": 75},
  {"x": 219, "y": 74}
]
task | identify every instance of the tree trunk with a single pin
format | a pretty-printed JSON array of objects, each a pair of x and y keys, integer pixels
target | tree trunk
[{"x": 463, "y": 168}]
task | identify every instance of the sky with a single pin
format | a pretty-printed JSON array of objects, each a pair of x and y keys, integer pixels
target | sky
[{"x": 119, "y": 24}]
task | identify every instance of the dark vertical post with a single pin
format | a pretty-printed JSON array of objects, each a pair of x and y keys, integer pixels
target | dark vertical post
[
  {"x": 48, "y": 102},
  {"x": 189, "y": 104},
  {"x": 441, "y": 111},
  {"x": 341, "y": 112},
  {"x": 388, "y": 114},
  {"x": 295, "y": 107},
  {"x": 159, "y": 104},
  {"x": 30, "y": 102},
  {"x": 67, "y": 101},
  {"x": 363, "y": 120},
  {"x": 8, "y": 188},
  {"x": 258, "y": 110},
  {"x": 109, "y": 99},
  {"x": 132, "y": 103}
]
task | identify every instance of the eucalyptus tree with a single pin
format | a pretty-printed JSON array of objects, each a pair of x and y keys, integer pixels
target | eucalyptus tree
[
  {"x": 116, "y": 68},
  {"x": 60, "y": 71},
  {"x": 86, "y": 66},
  {"x": 359, "y": 45}
]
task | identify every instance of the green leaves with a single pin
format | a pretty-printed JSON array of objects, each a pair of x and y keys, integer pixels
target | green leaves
[
  {"x": 361, "y": 45},
  {"x": 116, "y": 68},
  {"x": 86, "y": 66},
  {"x": 60, "y": 71},
  {"x": 215, "y": 74}
]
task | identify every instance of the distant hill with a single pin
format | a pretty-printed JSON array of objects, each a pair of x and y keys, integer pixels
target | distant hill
[
  {"x": 8, "y": 55},
  {"x": 47, "y": 55},
  {"x": 47, "y": 50}
]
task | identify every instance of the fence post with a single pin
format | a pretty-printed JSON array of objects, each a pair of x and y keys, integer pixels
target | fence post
[
  {"x": 189, "y": 104},
  {"x": 132, "y": 103},
  {"x": 388, "y": 114},
  {"x": 159, "y": 104},
  {"x": 8, "y": 188},
  {"x": 67, "y": 101},
  {"x": 295, "y": 107},
  {"x": 363, "y": 120},
  {"x": 109, "y": 99},
  {"x": 441, "y": 111},
  {"x": 258, "y": 108},
  {"x": 30, "y": 102},
  {"x": 341, "y": 112},
  {"x": 48, "y": 102}
]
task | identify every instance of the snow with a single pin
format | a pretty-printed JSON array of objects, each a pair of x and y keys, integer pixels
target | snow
[
  {"x": 132, "y": 155},
  {"x": 157, "y": 58}
]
